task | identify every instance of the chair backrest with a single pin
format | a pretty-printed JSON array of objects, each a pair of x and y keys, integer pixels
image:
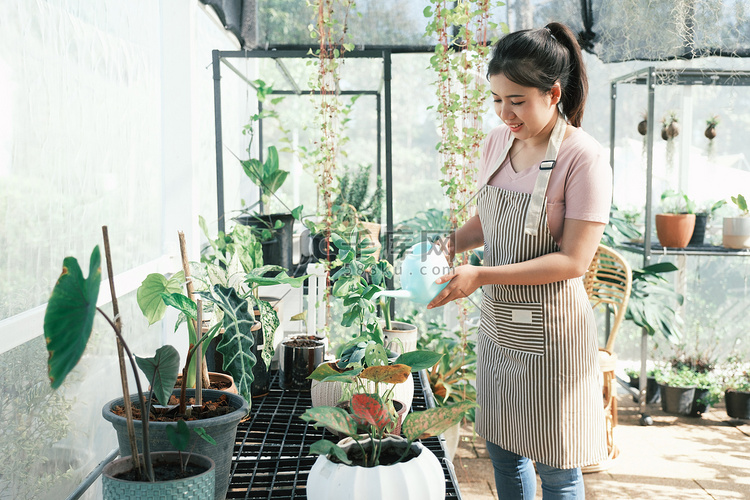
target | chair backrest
[{"x": 608, "y": 281}]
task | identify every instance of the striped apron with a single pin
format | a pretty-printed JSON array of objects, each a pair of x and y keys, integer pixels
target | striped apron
[{"x": 538, "y": 375}]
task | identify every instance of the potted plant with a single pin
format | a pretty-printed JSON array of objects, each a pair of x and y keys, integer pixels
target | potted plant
[
  {"x": 299, "y": 356},
  {"x": 68, "y": 324},
  {"x": 451, "y": 378},
  {"x": 737, "y": 389},
  {"x": 702, "y": 216},
  {"x": 353, "y": 191},
  {"x": 687, "y": 391},
  {"x": 674, "y": 226},
  {"x": 653, "y": 395},
  {"x": 365, "y": 460},
  {"x": 711, "y": 124},
  {"x": 736, "y": 230}
]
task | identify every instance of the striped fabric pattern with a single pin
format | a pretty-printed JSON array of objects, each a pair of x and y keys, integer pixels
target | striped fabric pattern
[{"x": 538, "y": 378}]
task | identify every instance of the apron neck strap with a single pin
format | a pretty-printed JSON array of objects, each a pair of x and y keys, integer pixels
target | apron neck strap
[{"x": 534, "y": 212}]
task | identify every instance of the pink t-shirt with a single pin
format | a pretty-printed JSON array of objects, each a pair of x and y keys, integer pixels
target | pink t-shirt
[{"x": 580, "y": 186}]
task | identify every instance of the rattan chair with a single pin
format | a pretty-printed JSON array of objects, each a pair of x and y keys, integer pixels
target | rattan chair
[{"x": 607, "y": 282}]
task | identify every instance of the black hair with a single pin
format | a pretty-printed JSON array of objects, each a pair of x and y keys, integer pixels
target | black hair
[{"x": 540, "y": 57}]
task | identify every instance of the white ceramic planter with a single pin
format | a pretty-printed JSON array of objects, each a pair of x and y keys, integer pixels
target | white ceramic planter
[
  {"x": 736, "y": 232},
  {"x": 405, "y": 332},
  {"x": 329, "y": 393},
  {"x": 420, "y": 478}
]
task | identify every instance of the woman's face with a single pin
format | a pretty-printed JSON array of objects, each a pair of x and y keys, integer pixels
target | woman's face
[{"x": 526, "y": 110}]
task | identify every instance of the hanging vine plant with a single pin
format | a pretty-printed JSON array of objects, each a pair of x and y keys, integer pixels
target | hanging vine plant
[{"x": 462, "y": 49}]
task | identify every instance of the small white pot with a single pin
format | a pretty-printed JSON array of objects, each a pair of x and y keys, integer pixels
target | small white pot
[
  {"x": 420, "y": 478},
  {"x": 405, "y": 332},
  {"x": 736, "y": 232}
]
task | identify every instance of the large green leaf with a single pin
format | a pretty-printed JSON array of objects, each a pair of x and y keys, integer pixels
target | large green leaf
[
  {"x": 419, "y": 360},
  {"x": 149, "y": 294},
  {"x": 257, "y": 278},
  {"x": 332, "y": 417},
  {"x": 161, "y": 371},
  {"x": 182, "y": 303},
  {"x": 424, "y": 424},
  {"x": 237, "y": 344},
  {"x": 69, "y": 317}
]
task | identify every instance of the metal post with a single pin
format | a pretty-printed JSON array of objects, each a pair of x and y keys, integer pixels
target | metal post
[
  {"x": 388, "y": 158},
  {"x": 651, "y": 85},
  {"x": 217, "y": 127}
]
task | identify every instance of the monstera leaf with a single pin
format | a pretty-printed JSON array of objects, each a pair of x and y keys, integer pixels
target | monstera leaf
[
  {"x": 237, "y": 344},
  {"x": 161, "y": 372},
  {"x": 69, "y": 317}
]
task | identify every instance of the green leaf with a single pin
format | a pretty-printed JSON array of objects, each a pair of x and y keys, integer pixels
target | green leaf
[
  {"x": 297, "y": 212},
  {"x": 69, "y": 317},
  {"x": 332, "y": 417},
  {"x": 149, "y": 294},
  {"x": 419, "y": 360},
  {"x": 375, "y": 355},
  {"x": 179, "y": 435},
  {"x": 204, "y": 435},
  {"x": 161, "y": 371},
  {"x": 182, "y": 303},
  {"x": 237, "y": 343},
  {"x": 326, "y": 447},
  {"x": 424, "y": 424},
  {"x": 269, "y": 320}
]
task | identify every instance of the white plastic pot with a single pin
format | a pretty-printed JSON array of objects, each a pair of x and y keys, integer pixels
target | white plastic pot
[
  {"x": 736, "y": 232},
  {"x": 329, "y": 393},
  {"x": 420, "y": 478}
]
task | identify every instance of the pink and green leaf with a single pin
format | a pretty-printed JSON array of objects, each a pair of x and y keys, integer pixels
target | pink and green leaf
[
  {"x": 391, "y": 374},
  {"x": 372, "y": 410},
  {"x": 434, "y": 421}
]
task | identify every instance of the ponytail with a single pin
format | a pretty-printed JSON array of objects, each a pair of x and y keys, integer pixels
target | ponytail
[{"x": 539, "y": 58}]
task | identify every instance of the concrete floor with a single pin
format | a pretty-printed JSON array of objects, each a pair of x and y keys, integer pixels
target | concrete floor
[{"x": 675, "y": 458}]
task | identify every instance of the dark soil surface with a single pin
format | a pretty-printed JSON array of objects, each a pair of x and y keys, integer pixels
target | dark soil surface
[
  {"x": 165, "y": 471},
  {"x": 388, "y": 456},
  {"x": 169, "y": 414},
  {"x": 302, "y": 342}
]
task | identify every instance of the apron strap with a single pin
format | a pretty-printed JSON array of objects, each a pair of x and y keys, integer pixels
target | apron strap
[{"x": 534, "y": 212}]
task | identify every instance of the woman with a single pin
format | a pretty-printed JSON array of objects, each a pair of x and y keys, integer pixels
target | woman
[{"x": 544, "y": 200}]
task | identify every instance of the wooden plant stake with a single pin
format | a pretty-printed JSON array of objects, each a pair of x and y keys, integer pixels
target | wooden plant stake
[{"x": 121, "y": 357}]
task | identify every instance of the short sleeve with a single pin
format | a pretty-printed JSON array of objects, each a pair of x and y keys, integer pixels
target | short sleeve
[{"x": 588, "y": 186}]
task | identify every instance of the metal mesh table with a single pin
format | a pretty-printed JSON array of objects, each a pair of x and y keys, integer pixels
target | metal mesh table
[{"x": 271, "y": 451}]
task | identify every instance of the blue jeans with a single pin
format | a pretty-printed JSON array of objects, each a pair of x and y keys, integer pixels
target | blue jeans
[{"x": 515, "y": 478}]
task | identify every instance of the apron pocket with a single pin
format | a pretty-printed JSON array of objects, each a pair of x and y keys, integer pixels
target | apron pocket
[{"x": 517, "y": 326}]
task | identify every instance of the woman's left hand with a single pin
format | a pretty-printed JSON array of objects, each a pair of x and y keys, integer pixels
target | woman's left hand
[{"x": 464, "y": 280}]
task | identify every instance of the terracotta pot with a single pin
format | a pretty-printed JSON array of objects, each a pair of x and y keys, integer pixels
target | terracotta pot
[
  {"x": 674, "y": 230},
  {"x": 216, "y": 377}
]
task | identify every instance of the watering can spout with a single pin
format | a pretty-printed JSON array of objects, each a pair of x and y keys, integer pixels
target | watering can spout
[{"x": 396, "y": 294}]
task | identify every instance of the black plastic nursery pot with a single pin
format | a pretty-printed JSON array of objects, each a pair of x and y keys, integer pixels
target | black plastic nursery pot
[
  {"x": 276, "y": 251},
  {"x": 653, "y": 394},
  {"x": 738, "y": 404},
  {"x": 222, "y": 428},
  {"x": 683, "y": 400},
  {"x": 699, "y": 231},
  {"x": 298, "y": 358}
]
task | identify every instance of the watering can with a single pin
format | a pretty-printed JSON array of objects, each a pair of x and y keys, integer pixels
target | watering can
[{"x": 423, "y": 264}]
